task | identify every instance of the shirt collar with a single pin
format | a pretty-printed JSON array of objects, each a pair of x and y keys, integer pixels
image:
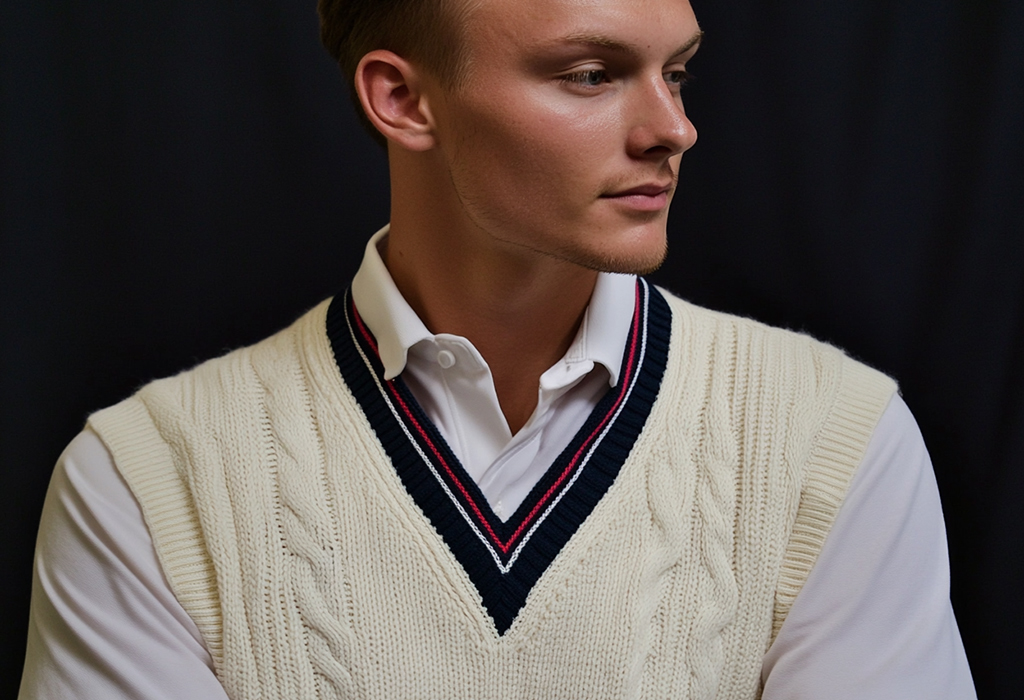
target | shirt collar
[
  {"x": 601, "y": 338},
  {"x": 385, "y": 311}
]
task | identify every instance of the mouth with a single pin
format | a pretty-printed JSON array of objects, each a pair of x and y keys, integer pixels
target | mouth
[{"x": 652, "y": 196}]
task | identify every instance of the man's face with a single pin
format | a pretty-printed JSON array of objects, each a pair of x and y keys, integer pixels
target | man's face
[{"x": 566, "y": 136}]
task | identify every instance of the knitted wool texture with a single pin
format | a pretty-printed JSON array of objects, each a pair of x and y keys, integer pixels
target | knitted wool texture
[{"x": 287, "y": 536}]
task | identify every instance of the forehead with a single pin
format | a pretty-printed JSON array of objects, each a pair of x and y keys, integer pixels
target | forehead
[{"x": 508, "y": 25}]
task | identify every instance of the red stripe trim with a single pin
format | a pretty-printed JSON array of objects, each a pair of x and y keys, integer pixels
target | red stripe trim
[
  {"x": 365, "y": 332},
  {"x": 437, "y": 454},
  {"x": 367, "y": 335},
  {"x": 505, "y": 546},
  {"x": 624, "y": 384}
]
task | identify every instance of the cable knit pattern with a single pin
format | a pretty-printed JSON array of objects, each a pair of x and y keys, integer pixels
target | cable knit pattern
[{"x": 289, "y": 537}]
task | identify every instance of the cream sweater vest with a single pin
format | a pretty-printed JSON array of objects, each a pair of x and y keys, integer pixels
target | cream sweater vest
[{"x": 315, "y": 567}]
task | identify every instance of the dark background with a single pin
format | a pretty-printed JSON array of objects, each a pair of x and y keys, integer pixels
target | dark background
[{"x": 179, "y": 178}]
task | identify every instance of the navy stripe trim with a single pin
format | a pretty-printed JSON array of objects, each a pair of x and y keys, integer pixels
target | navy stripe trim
[{"x": 505, "y": 559}]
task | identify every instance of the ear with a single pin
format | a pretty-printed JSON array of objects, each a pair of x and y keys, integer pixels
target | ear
[{"x": 391, "y": 92}]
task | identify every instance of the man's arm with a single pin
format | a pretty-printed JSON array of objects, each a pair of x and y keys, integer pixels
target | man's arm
[
  {"x": 104, "y": 623},
  {"x": 874, "y": 619}
]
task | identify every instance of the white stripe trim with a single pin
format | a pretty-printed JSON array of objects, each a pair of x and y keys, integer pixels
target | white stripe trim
[
  {"x": 590, "y": 452},
  {"x": 426, "y": 460},
  {"x": 579, "y": 470}
]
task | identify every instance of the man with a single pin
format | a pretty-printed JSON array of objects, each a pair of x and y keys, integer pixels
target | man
[{"x": 500, "y": 465}]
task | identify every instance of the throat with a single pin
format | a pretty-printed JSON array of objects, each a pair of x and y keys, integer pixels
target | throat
[
  {"x": 517, "y": 398},
  {"x": 517, "y": 361}
]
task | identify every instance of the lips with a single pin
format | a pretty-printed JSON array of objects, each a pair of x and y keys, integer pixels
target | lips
[
  {"x": 649, "y": 190},
  {"x": 648, "y": 197}
]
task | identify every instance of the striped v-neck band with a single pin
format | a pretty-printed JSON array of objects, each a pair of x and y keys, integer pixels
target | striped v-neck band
[{"x": 505, "y": 559}]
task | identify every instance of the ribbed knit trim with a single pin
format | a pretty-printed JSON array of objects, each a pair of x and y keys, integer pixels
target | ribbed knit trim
[
  {"x": 505, "y": 559},
  {"x": 860, "y": 401},
  {"x": 147, "y": 465}
]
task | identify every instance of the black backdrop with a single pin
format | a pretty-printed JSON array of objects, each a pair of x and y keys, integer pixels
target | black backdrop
[{"x": 179, "y": 178}]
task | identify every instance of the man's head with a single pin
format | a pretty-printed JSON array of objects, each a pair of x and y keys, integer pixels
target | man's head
[{"x": 558, "y": 130}]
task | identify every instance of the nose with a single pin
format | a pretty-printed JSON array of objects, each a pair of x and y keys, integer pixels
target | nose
[{"x": 659, "y": 125}]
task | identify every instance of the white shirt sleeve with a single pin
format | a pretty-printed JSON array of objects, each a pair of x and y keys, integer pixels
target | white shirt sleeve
[
  {"x": 104, "y": 624},
  {"x": 874, "y": 619}
]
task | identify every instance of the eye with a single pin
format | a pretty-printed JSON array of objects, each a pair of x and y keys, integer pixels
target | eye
[
  {"x": 587, "y": 78},
  {"x": 679, "y": 78}
]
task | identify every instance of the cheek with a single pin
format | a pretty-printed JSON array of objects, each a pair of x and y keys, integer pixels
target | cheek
[
  {"x": 510, "y": 164},
  {"x": 530, "y": 162},
  {"x": 580, "y": 131}
]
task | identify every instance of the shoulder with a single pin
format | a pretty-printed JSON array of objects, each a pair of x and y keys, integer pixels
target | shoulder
[
  {"x": 758, "y": 351},
  {"x": 237, "y": 370},
  {"x": 207, "y": 407},
  {"x": 699, "y": 319}
]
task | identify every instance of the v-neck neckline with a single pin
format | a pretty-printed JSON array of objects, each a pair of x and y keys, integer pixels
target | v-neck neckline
[{"x": 505, "y": 559}]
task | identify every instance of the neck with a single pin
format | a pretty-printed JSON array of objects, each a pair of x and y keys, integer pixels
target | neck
[{"x": 520, "y": 309}]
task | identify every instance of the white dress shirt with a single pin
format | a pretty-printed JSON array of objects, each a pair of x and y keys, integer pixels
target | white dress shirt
[
  {"x": 453, "y": 384},
  {"x": 872, "y": 621}
]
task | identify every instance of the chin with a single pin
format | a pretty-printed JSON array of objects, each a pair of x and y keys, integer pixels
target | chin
[
  {"x": 630, "y": 265},
  {"x": 638, "y": 251},
  {"x": 637, "y": 258}
]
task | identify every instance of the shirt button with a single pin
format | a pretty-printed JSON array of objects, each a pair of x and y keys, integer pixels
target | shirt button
[{"x": 445, "y": 358}]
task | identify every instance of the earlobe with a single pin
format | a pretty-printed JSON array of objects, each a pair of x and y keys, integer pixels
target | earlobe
[{"x": 389, "y": 89}]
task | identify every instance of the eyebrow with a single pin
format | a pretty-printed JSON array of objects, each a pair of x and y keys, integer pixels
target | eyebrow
[{"x": 605, "y": 42}]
